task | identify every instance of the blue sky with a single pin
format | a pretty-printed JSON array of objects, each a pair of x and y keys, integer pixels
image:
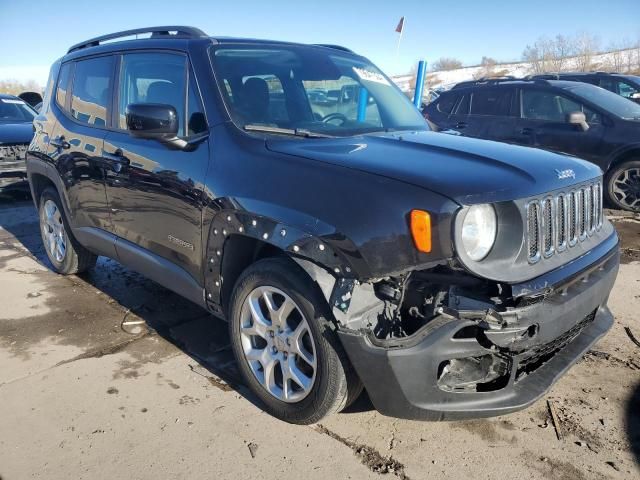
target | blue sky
[{"x": 34, "y": 33}]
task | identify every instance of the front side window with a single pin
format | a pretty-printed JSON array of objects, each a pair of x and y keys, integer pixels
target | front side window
[
  {"x": 547, "y": 105},
  {"x": 152, "y": 78},
  {"x": 627, "y": 90},
  {"x": 313, "y": 89},
  {"x": 91, "y": 90},
  {"x": 491, "y": 101}
]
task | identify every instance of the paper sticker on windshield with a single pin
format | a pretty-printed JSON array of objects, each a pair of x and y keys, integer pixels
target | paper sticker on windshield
[
  {"x": 370, "y": 76},
  {"x": 11, "y": 100}
]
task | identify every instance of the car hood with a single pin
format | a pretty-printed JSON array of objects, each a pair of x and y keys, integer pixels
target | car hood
[
  {"x": 466, "y": 170},
  {"x": 16, "y": 132}
]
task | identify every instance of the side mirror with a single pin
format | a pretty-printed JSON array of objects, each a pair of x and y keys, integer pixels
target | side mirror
[
  {"x": 152, "y": 120},
  {"x": 578, "y": 119}
]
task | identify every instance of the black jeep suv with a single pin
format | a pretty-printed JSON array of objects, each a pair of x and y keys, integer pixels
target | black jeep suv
[
  {"x": 346, "y": 247},
  {"x": 16, "y": 131},
  {"x": 563, "y": 116}
]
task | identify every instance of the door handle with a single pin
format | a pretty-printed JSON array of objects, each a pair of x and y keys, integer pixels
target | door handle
[
  {"x": 526, "y": 131},
  {"x": 461, "y": 125},
  {"x": 117, "y": 160},
  {"x": 60, "y": 142}
]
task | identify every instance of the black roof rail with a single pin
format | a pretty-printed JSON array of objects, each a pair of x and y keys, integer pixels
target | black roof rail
[
  {"x": 336, "y": 47},
  {"x": 180, "y": 32},
  {"x": 496, "y": 81}
]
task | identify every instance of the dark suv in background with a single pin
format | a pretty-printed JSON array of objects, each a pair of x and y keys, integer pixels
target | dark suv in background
[
  {"x": 16, "y": 131},
  {"x": 564, "y": 116},
  {"x": 345, "y": 243},
  {"x": 627, "y": 86}
]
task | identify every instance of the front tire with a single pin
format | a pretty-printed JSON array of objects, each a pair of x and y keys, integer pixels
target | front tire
[
  {"x": 286, "y": 346},
  {"x": 623, "y": 186},
  {"x": 66, "y": 255}
]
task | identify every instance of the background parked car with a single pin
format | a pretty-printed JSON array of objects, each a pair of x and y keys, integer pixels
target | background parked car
[
  {"x": 564, "y": 116},
  {"x": 627, "y": 86},
  {"x": 16, "y": 131}
]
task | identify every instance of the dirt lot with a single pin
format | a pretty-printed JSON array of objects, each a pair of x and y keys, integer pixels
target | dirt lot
[{"x": 108, "y": 375}]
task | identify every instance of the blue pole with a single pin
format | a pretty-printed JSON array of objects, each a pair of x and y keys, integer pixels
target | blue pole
[
  {"x": 362, "y": 104},
  {"x": 417, "y": 97}
]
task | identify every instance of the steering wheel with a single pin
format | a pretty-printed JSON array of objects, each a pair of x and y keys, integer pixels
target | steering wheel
[{"x": 335, "y": 116}]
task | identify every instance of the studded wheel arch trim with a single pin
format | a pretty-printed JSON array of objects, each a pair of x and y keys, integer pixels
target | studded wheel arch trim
[{"x": 278, "y": 344}]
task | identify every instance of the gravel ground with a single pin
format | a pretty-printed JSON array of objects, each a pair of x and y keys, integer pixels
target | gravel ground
[{"x": 108, "y": 375}]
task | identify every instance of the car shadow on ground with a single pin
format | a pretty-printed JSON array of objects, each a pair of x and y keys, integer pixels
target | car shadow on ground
[
  {"x": 632, "y": 423},
  {"x": 194, "y": 331}
]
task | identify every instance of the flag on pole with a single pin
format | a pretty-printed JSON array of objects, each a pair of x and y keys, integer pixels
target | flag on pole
[{"x": 399, "y": 29}]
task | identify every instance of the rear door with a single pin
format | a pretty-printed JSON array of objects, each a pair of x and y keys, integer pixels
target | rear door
[
  {"x": 154, "y": 190},
  {"x": 491, "y": 113},
  {"x": 543, "y": 123},
  {"x": 82, "y": 104},
  {"x": 481, "y": 108}
]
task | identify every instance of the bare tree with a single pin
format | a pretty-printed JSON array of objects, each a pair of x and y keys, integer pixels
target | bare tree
[
  {"x": 562, "y": 47},
  {"x": 446, "y": 63},
  {"x": 487, "y": 66},
  {"x": 586, "y": 47},
  {"x": 16, "y": 87}
]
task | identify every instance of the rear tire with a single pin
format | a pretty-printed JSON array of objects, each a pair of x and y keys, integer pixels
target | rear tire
[
  {"x": 300, "y": 378},
  {"x": 64, "y": 252},
  {"x": 623, "y": 186}
]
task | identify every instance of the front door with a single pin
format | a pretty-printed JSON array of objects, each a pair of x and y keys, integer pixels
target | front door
[
  {"x": 154, "y": 190},
  {"x": 544, "y": 124}
]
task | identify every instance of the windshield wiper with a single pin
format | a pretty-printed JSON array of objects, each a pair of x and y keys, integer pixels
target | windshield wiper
[{"x": 297, "y": 132}]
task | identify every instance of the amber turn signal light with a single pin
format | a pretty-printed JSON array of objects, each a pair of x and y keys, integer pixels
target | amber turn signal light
[{"x": 421, "y": 230}]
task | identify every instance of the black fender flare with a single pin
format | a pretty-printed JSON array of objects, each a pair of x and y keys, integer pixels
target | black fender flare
[
  {"x": 621, "y": 152},
  {"x": 318, "y": 255}
]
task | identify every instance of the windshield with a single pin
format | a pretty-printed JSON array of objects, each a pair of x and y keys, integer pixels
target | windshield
[
  {"x": 613, "y": 103},
  {"x": 315, "y": 90},
  {"x": 14, "y": 110}
]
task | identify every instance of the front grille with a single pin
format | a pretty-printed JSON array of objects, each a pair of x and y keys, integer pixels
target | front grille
[
  {"x": 555, "y": 223},
  {"x": 12, "y": 153},
  {"x": 543, "y": 353}
]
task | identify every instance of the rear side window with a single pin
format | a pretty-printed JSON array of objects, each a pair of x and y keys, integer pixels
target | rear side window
[
  {"x": 491, "y": 101},
  {"x": 63, "y": 85},
  {"x": 446, "y": 103},
  {"x": 92, "y": 90}
]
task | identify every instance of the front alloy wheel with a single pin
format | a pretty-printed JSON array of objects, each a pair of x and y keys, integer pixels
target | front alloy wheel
[
  {"x": 285, "y": 343},
  {"x": 278, "y": 344},
  {"x": 624, "y": 186}
]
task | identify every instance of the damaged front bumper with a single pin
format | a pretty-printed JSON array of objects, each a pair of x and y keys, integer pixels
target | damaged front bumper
[{"x": 456, "y": 367}]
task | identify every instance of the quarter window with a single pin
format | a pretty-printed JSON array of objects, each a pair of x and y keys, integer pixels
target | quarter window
[
  {"x": 446, "y": 103},
  {"x": 92, "y": 90},
  {"x": 63, "y": 85},
  {"x": 152, "y": 78},
  {"x": 197, "y": 122}
]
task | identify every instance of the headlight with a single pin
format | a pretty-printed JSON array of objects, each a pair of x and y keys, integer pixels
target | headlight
[{"x": 479, "y": 231}]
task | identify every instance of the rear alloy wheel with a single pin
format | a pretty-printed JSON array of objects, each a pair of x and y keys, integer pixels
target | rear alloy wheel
[
  {"x": 624, "y": 186},
  {"x": 66, "y": 255},
  {"x": 286, "y": 345}
]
